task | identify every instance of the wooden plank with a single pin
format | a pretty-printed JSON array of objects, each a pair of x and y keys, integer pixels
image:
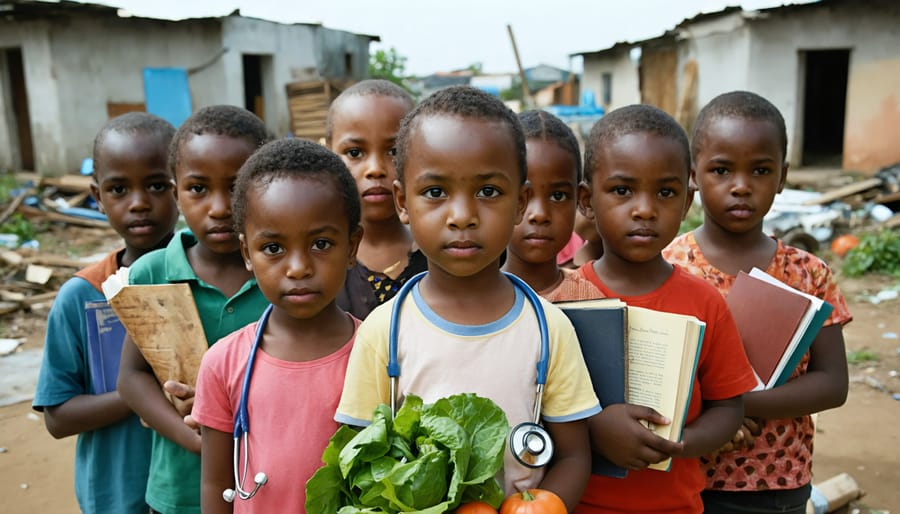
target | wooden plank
[
  {"x": 888, "y": 198},
  {"x": 55, "y": 216},
  {"x": 71, "y": 183},
  {"x": 849, "y": 189}
]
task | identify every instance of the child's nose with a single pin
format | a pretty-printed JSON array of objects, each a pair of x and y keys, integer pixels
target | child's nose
[
  {"x": 376, "y": 166},
  {"x": 643, "y": 207},
  {"x": 299, "y": 266},
  {"x": 462, "y": 213},
  {"x": 538, "y": 212},
  {"x": 220, "y": 205},
  {"x": 139, "y": 201}
]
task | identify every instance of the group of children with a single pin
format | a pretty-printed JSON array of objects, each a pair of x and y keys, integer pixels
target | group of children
[{"x": 290, "y": 244}]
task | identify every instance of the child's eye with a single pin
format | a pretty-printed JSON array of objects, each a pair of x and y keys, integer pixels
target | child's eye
[
  {"x": 158, "y": 187},
  {"x": 117, "y": 190},
  {"x": 720, "y": 170},
  {"x": 488, "y": 192},
  {"x": 667, "y": 193},
  {"x": 559, "y": 196},
  {"x": 433, "y": 192},
  {"x": 322, "y": 244},
  {"x": 619, "y": 190},
  {"x": 354, "y": 153},
  {"x": 271, "y": 249},
  {"x": 392, "y": 152},
  {"x": 197, "y": 189},
  {"x": 761, "y": 171}
]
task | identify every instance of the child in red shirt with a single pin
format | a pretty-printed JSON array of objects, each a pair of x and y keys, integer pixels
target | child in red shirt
[
  {"x": 739, "y": 149},
  {"x": 637, "y": 167}
]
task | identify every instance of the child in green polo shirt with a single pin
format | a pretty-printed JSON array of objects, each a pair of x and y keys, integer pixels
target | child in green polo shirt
[{"x": 205, "y": 155}]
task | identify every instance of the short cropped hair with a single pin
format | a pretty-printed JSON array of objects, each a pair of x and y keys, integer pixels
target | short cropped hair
[
  {"x": 542, "y": 125},
  {"x": 633, "y": 119},
  {"x": 461, "y": 102},
  {"x": 294, "y": 158},
  {"x": 134, "y": 123},
  {"x": 219, "y": 120},
  {"x": 738, "y": 104},
  {"x": 378, "y": 87}
]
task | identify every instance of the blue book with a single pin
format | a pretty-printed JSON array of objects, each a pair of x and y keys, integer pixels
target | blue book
[
  {"x": 600, "y": 326},
  {"x": 105, "y": 335}
]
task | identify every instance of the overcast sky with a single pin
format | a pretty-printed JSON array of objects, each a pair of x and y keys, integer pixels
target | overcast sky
[{"x": 441, "y": 35}]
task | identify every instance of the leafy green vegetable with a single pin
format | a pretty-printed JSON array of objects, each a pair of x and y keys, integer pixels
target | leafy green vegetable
[
  {"x": 427, "y": 460},
  {"x": 877, "y": 252}
]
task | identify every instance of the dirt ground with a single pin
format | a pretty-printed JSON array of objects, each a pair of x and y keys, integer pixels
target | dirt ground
[{"x": 861, "y": 438}]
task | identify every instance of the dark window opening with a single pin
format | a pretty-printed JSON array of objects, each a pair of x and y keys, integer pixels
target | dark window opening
[{"x": 824, "y": 106}]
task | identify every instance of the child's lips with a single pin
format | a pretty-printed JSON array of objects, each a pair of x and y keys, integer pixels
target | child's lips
[
  {"x": 462, "y": 248},
  {"x": 142, "y": 227},
  {"x": 741, "y": 211},
  {"x": 377, "y": 194}
]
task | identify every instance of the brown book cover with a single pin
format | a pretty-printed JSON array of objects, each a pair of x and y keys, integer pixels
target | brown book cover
[{"x": 768, "y": 318}]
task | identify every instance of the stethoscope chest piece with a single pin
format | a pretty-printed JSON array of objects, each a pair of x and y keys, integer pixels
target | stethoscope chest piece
[{"x": 531, "y": 444}]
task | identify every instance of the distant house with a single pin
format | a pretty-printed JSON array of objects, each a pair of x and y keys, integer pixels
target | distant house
[
  {"x": 543, "y": 75},
  {"x": 832, "y": 67},
  {"x": 66, "y": 67}
]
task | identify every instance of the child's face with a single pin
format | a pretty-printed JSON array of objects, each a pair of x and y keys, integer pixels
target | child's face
[
  {"x": 739, "y": 170},
  {"x": 134, "y": 188},
  {"x": 363, "y": 133},
  {"x": 638, "y": 195},
  {"x": 462, "y": 193},
  {"x": 207, "y": 167},
  {"x": 550, "y": 214},
  {"x": 296, "y": 246}
]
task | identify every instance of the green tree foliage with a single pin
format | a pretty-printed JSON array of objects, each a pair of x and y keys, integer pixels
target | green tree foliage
[{"x": 388, "y": 65}]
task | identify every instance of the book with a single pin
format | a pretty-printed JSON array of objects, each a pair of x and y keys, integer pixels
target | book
[
  {"x": 777, "y": 324},
  {"x": 663, "y": 350},
  {"x": 600, "y": 326},
  {"x": 105, "y": 335},
  {"x": 163, "y": 322}
]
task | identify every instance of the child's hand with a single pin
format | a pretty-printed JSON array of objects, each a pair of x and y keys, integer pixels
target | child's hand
[
  {"x": 181, "y": 395},
  {"x": 619, "y": 435},
  {"x": 745, "y": 436}
]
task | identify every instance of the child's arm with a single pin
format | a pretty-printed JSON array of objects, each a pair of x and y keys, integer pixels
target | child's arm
[
  {"x": 84, "y": 413},
  {"x": 570, "y": 468},
  {"x": 139, "y": 388},
  {"x": 716, "y": 424},
  {"x": 216, "y": 473},
  {"x": 617, "y": 434},
  {"x": 822, "y": 387}
]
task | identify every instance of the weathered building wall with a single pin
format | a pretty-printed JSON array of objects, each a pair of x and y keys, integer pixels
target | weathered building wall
[
  {"x": 869, "y": 30},
  {"x": 624, "y": 78}
]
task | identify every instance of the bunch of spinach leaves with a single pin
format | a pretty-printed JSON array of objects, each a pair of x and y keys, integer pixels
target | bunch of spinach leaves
[{"x": 427, "y": 460}]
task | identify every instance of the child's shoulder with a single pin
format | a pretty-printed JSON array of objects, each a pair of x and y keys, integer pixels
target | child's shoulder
[
  {"x": 790, "y": 258},
  {"x": 164, "y": 264}
]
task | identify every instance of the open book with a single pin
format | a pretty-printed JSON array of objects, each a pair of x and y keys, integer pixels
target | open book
[
  {"x": 777, "y": 324},
  {"x": 653, "y": 365},
  {"x": 164, "y": 324}
]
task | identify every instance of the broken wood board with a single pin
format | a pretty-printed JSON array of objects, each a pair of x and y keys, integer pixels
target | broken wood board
[
  {"x": 69, "y": 183},
  {"x": 56, "y": 216},
  {"x": 841, "y": 192},
  {"x": 37, "y": 274},
  {"x": 163, "y": 322}
]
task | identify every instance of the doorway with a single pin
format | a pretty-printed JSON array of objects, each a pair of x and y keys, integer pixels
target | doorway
[
  {"x": 824, "y": 107},
  {"x": 255, "y": 68},
  {"x": 19, "y": 95}
]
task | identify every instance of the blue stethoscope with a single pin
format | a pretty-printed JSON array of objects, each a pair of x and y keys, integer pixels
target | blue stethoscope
[
  {"x": 242, "y": 426},
  {"x": 529, "y": 442}
]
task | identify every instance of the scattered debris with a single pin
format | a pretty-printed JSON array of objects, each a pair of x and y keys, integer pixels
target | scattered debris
[
  {"x": 889, "y": 335},
  {"x": 38, "y": 274},
  {"x": 3, "y": 450},
  {"x": 7, "y": 346}
]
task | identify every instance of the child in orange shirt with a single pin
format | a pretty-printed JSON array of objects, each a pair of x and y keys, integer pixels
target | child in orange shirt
[
  {"x": 739, "y": 149},
  {"x": 637, "y": 166}
]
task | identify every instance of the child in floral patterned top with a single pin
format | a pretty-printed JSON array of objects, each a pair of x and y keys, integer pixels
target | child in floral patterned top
[{"x": 739, "y": 148}]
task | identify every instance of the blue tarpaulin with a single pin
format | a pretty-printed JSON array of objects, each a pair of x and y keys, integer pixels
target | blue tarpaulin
[{"x": 167, "y": 94}]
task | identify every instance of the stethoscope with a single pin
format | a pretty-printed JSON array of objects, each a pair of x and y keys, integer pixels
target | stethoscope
[
  {"x": 242, "y": 426},
  {"x": 529, "y": 442}
]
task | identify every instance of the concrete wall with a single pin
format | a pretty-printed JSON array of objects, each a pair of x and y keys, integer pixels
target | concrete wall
[
  {"x": 292, "y": 49},
  {"x": 42, "y": 82},
  {"x": 869, "y": 30},
  {"x": 625, "y": 87}
]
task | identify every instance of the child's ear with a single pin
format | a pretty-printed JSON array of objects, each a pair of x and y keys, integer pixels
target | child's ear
[
  {"x": 400, "y": 202},
  {"x": 245, "y": 252},
  {"x": 784, "y": 172},
  {"x": 355, "y": 238},
  {"x": 95, "y": 194},
  {"x": 690, "y": 192},
  {"x": 584, "y": 200},
  {"x": 525, "y": 194}
]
